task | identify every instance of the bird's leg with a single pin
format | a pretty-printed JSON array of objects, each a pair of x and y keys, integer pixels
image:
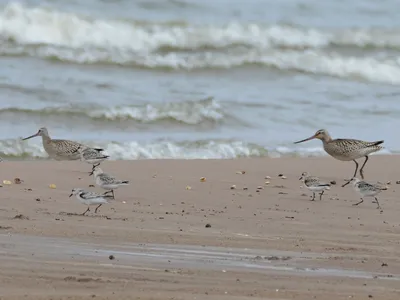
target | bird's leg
[
  {"x": 105, "y": 193},
  {"x": 355, "y": 173},
  {"x": 86, "y": 211},
  {"x": 320, "y": 195},
  {"x": 95, "y": 211},
  {"x": 362, "y": 200},
  {"x": 313, "y": 196},
  {"x": 361, "y": 170},
  {"x": 376, "y": 199}
]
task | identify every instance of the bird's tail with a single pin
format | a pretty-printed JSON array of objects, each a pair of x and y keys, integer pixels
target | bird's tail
[
  {"x": 125, "y": 182},
  {"x": 326, "y": 185}
]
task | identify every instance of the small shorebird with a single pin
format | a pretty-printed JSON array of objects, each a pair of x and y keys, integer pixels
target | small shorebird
[
  {"x": 106, "y": 181},
  {"x": 90, "y": 198},
  {"x": 60, "y": 149},
  {"x": 314, "y": 184},
  {"x": 366, "y": 189},
  {"x": 346, "y": 149},
  {"x": 93, "y": 156}
]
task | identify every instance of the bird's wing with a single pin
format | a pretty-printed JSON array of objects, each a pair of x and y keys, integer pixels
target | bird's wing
[
  {"x": 106, "y": 178},
  {"x": 314, "y": 181}
]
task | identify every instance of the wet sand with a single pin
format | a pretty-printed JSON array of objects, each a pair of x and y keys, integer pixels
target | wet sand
[{"x": 273, "y": 243}]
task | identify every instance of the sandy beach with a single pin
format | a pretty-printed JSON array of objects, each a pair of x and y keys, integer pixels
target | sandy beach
[{"x": 153, "y": 241}]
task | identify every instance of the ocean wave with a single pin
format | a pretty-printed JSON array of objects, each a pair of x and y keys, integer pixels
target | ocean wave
[
  {"x": 68, "y": 37},
  {"x": 217, "y": 149},
  {"x": 164, "y": 149},
  {"x": 189, "y": 112},
  {"x": 39, "y": 26},
  {"x": 382, "y": 70}
]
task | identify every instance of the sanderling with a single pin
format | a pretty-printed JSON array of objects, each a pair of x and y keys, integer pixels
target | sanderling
[
  {"x": 92, "y": 156},
  {"x": 365, "y": 189},
  {"x": 314, "y": 184},
  {"x": 90, "y": 198},
  {"x": 106, "y": 181}
]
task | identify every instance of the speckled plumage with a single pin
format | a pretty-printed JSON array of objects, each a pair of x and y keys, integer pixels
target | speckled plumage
[
  {"x": 314, "y": 184},
  {"x": 60, "y": 149},
  {"x": 350, "y": 149},
  {"x": 365, "y": 189},
  {"x": 107, "y": 181},
  {"x": 92, "y": 156},
  {"x": 346, "y": 149}
]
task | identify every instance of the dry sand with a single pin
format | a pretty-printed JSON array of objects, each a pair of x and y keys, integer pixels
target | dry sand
[{"x": 271, "y": 244}]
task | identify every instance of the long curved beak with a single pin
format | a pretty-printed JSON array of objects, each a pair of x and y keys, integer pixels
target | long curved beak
[
  {"x": 29, "y": 137},
  {"x": 70, "y": 195},
  {"x": 305, "y": 140}
]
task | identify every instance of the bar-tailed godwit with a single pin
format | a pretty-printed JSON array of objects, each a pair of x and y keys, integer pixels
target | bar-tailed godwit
[
  {"x": 90, "y": 198},
  {"x": 106, "y": 181},
  {"x": 365, "y": 189},
  {"x": 346, "y": 149},
  {"x": 314, "y": 184},
  {"x": 60, "y": 149}
]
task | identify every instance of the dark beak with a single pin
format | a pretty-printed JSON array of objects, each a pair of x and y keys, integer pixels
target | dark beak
[
  {"x": 29, "y": 137},
  {"x": 70, "y": 195},
  {"x": 301, "y": 178},
  {"x": 305, "y": 140},
  {"x": 91, "y": 173}
]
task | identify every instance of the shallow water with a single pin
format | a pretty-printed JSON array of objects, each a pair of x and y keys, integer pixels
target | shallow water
[
  {"x": 195, "y": 79},
  {"x": 157, "y": 256}
]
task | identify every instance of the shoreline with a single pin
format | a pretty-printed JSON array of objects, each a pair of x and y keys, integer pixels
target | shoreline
[{"x": 278, "y": 220}]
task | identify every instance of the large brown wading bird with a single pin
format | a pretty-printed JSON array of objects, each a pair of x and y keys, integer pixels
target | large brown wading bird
[{"x": 346, "y": 149}]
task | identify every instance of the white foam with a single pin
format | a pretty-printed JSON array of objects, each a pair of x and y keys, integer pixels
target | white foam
[
  {"x": 73, "y": 38},
  {"x": 212, "y": 149},
  {"x": 35, "y": 25},
  {"x": 188, "y": 112},
  {"x": 150, "y": 150}
]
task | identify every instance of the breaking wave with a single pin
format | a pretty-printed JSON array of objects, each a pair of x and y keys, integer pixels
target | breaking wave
[
  {"x": 69, "y": 37},
  {"x": 189, "y": 112}
]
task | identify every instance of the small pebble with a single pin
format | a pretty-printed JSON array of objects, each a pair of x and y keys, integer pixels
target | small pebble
[
  {"x": 267, "y": 177},
  {"x": 260, "y": 188},
  {"x": 245, "y": 188},
  {"x": 233, "y": 187},
  {"x": 398, "y": 182},
  {"x": 111, "y": 257},
  {"x": 202, "y": 179},
  {"x": 333, "y": 182},
  {"x": 280, "y": 175},
  {"x": 17, "y": 180},
  {"x": 208, "y": 225},
  {"x": 283, "y": 177},
  {"x": 267, "y": 182}
]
